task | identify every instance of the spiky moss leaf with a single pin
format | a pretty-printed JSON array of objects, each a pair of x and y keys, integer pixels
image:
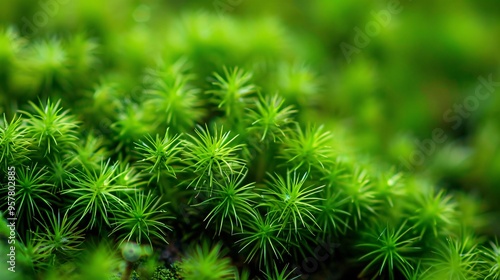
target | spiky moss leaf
[
  {"x": 434, "y": 213},
  {"x": 333, "y": 216},
  {"x": 337, "y": 171},
  {"x": 130, "y": 126},
  {"x": 244, "y": 275},
  {"x": 142, "y": 219},
  {"x": 298, "y": 83},
  {"x": 390, "y": 185},
  {"x": 308, "y": 149},
  {"x": 159, "y": 156},
  {"x": 101, "y": 104},
  {"x": 392, "y": 191},
  {"x": 48, "y": 63},
  {"x": 82, "y": 54},
  {"x": 14, "y": 142},
  {"x": 292, "y": 201},
  {"x": 60, "y": 171},
  {"x": 231, "y": 201},
  {"x": 95, "y": 192},
  {"x": 129, "y": 176},
  {"x": 233, "y": 91},
  {"x": 210, "y": 155},
  {"x": 89, "y": 153},
  {"x": 362, "y": 198},
  {"x": 32, "y": 253},
  {"x": 420, "y": 272},
  {"x": 491, "y": 257},
  {"x": 455, "y": 258},
  {"x": 204, "y": 262},
  {"x": 270, "y": 118},
  {"x": 171, "y": 97},
  {"x": 388, "y": 248},
  {"x": 32, "y": 192},
  {"x": 53, "y": 129},
  {"x": 284, "y": 274},
  {"x": 60, "y": 236},
  {"x": 261, "y": 239}
]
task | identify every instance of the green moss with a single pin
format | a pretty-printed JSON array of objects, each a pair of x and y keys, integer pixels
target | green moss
[{"x": 139, "y": 139}]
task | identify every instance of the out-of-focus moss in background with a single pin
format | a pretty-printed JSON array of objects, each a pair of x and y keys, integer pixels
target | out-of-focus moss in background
[{"x": 393, "y": 92}]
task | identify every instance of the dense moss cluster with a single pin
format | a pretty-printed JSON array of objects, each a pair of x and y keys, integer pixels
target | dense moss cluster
[{"x": 203, "y": 156}]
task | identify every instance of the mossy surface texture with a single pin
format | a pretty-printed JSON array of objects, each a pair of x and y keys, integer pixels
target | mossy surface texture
[{"x": 249, "y": 140}]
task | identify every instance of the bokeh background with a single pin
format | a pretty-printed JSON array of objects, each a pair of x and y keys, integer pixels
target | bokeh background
[{"x": 385, "y": 98}]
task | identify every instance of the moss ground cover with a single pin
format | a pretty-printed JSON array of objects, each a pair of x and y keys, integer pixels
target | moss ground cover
[{"x": 156, "y": 140}]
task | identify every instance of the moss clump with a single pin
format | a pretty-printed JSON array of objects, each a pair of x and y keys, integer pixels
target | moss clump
[{"x": 132, "y": 144}]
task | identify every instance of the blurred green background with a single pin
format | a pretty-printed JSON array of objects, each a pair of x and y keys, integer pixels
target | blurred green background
[{"x": 390, "y": 95}]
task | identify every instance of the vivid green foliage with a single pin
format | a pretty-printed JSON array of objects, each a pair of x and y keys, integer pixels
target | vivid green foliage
[
  {"x": 206, "y": 263},
  {"x": 388, "y": 248},
  {"x": 136, "y": 132}
]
